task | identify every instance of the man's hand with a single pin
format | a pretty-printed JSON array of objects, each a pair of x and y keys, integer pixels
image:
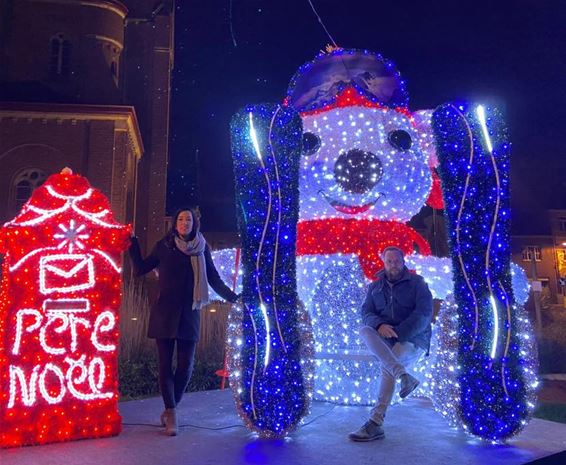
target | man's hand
[{"x": 387, "y": 331}]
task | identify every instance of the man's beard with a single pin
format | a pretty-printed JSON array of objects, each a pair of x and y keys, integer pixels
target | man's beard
[{"x": 393, "y": 275}]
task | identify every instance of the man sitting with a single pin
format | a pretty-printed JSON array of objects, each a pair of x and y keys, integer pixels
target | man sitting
[{"x": 397, "y": 315}]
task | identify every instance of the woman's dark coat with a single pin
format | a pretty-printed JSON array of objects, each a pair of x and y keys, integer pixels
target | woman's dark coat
[{"x": 172, "y": 315}]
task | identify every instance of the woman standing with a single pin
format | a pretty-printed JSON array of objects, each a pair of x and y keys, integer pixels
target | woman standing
[{"x": 185, "y": 270}]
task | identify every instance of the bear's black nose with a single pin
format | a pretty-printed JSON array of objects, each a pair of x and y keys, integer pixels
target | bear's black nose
[{"x": 357, "y": 171}]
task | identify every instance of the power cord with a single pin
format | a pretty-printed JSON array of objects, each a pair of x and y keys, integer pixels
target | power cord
[{"x": 187, "y": 425}]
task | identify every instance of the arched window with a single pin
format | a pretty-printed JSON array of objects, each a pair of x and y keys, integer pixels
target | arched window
[
  {"x": 25, "y": 183},
  {"x": 59, "y": 56}
]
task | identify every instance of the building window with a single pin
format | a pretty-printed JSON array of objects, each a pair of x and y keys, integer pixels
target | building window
[
  {"x": 59, "y": 56},
  {"x": 531, "y": 251},
  {"x": 25, "y": 183},
  {"x": 562, "y": 223}
]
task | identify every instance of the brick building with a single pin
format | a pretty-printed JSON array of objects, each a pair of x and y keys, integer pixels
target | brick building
[
  {"x": 543, "y": 255},
  {"x": 37, "y": 138},
  {"x": 86, "y": 84}
]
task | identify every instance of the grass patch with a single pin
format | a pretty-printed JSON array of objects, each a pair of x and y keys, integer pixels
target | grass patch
[
  {"x": 139, "y": 376},
  {"x": 551, "y": 412},
  {"x": 204, "y": 377}
]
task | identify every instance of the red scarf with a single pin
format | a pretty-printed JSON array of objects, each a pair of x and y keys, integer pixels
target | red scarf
[{"x": 366, "y": 238}]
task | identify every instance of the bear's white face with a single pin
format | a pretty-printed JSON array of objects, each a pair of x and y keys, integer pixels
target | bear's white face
[{"x": 362, "y": 163}]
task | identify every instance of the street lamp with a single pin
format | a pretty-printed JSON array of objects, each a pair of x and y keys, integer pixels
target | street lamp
[{"x": 562, "y": 279}]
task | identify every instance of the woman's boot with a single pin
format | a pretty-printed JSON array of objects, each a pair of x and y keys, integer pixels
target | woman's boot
[{"x": 171, "y": 427}]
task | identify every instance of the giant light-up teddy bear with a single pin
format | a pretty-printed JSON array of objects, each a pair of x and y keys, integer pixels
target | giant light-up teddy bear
[
  {"x": 367, "y": 170},
  {"x": 368, "y": 166}
]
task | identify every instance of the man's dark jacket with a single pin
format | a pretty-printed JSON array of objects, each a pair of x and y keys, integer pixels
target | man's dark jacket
[{"x": 405, "y": 304}]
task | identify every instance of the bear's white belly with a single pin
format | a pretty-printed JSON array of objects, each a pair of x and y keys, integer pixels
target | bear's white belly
[{"x": 333, "y": 288}]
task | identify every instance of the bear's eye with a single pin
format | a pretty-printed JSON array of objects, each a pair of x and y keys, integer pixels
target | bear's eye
[
  {"x": 400, "y": 139},
  {"x": 311, "y": 144}
]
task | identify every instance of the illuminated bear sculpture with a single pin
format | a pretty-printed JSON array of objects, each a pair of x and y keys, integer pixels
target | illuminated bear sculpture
[
  {"x": 368, "y": 165},
  {"x": 367, "y": 169}
]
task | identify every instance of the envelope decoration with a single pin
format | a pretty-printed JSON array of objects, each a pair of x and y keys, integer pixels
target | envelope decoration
[{"x": 65, "y": 273}]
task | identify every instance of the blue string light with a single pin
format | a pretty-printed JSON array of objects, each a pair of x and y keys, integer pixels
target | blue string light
[
  {"x": 496, "y": 364},
  {"x": 399, "y": 96},
  {"x": 269, "y": 336}
]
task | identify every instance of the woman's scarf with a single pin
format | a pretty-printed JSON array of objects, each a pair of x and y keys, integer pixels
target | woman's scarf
[{"x": 195, "y": 250}]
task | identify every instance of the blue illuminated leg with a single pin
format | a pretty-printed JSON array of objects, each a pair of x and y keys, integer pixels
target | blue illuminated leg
[
  {"x": 266, "y": 341},
  {"x": 473, "y": 152}
]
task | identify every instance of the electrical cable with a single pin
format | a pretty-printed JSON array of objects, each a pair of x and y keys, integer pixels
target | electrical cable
[
  {"x": 322, "y": 24},
  {"x": 190, "y": 425}
]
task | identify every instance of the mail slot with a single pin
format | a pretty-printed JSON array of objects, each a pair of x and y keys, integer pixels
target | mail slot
[{"x": 66, "y": 305}]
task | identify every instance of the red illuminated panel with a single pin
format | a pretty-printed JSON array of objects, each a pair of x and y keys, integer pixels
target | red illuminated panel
[{"x": 60, "y": 294}]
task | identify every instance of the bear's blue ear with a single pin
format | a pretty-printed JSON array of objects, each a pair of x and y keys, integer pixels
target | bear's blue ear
[
  {"x": 266, "y": 135},
  {"x": 265, "y": 130}
]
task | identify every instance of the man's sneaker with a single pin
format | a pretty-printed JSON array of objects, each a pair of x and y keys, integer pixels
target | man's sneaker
[
  {"x": 368, "y": 432},
  {"x": 408, "y": 385}
]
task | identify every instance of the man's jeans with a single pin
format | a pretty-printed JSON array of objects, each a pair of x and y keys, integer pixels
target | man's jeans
[{"x": 394, "y": 362}]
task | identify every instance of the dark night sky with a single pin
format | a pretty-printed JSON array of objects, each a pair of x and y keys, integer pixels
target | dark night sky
[{"x": 507, "y": 53}]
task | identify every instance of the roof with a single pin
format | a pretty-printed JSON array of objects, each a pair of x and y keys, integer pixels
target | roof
[{"x": 124, "y": 116}]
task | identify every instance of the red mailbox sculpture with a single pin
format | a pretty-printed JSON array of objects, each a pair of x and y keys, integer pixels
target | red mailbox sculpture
[{"x": 59, "y": 301}]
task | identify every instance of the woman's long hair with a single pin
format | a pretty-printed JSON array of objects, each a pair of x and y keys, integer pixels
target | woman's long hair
[{"x": 196, "y": 222}]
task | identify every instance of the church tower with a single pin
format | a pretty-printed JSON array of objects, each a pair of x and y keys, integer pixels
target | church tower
[{"x": 86, "y": 84}]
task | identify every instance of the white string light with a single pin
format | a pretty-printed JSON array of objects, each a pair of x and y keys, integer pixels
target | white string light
[
  {"x": 106, "y": 257},
  {"x": 105, "y": 322},
  {"x": 55, "y": 370},
  {"x": 255, "y": 143},
  {"x": 64, "y": 324},
  {"x": 278, "y": 229},
  {"x": 28, "y": 391},
  {"x": 463, "y": 199},
  {"x": 19, "y": 326},
  {"x": 55, "y": 265}
]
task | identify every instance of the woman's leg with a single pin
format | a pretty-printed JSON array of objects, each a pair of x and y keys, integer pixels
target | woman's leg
[
  {"x": 165, "y": 348},
  {"x": 185, "y": 361}
]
